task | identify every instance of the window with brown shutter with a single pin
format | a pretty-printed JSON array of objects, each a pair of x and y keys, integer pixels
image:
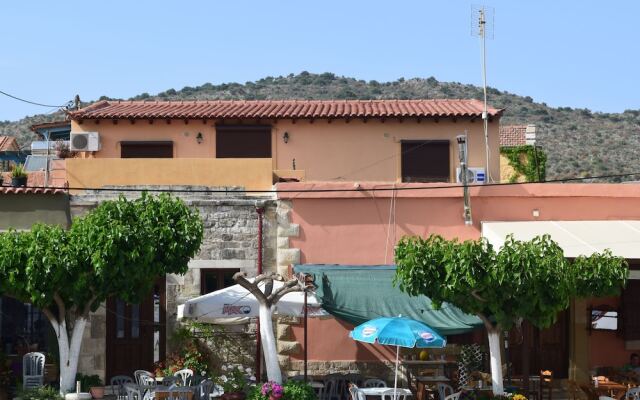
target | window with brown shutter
[
  {"x": 212, "y": 279},
  {"x": 243, "y": 141},
  {"x": 425, "y": 161},
  {"x": 631, "y": 310},
  {"x": 146, "y": 149}
]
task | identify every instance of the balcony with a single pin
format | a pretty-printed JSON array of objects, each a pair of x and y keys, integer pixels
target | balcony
[{"x": 249, "y": 173}]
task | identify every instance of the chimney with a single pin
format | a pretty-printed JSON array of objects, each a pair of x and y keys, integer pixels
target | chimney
[{"x": 530, "y": 134}]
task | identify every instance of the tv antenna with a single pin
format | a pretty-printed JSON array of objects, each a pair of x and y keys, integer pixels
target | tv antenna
[{"x": 482, "y": 26}]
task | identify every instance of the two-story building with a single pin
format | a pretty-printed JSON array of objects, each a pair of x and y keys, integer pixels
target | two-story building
[
  {"x": 302, "y": 146},
  {"x": 252, "y": 145}
]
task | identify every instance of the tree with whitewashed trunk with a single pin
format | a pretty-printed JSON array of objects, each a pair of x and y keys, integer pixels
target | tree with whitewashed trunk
[
  {"x": 267, "y": 298},
  {"x": 119, "y": 249},
  {"x": 524, "y": 280}
]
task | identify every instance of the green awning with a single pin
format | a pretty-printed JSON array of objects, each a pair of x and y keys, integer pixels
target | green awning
[{"x": 360, "y": 293}]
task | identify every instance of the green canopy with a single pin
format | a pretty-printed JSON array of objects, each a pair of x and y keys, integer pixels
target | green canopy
[{"x": 360, "y": 293}]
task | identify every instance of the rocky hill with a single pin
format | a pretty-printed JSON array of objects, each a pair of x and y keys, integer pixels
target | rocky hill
[{"x": 578, "y": 142}]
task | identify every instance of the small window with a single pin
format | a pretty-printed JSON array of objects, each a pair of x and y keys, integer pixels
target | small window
[
  {"x": 242, "y": 141},
  {"x": 425, "y": 161},
  {"x": 212, "y": 279},
  {"x": 146, "y": 149}
]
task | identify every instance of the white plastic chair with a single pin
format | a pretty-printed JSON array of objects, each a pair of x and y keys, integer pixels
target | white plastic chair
[
  {"x": 453, "y": 396},
  {"x": 140, "y": 373},
  {"x": 117, "y": 385},
  {"x": 133, "y": 393},
  {"x": 32, "y": 370},
  {"x": 374, "y": 383},
  {"x": 393, "y": 394},
  {"x": 633, "y": 394},
  {"x": 444, "y": 390},
  {"x": 185, "y": 376}
]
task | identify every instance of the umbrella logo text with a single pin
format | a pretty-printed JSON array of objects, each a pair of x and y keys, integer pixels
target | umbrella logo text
[
  {"x": 230, "y": 309},
  {"x": 368, "y": 331},
  {"x": 427, "y": 337}
]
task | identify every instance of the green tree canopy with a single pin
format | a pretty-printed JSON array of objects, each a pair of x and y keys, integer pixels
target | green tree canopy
[
  {"x": 524, "y": 280},
  {"x": 118, "y": 249}
]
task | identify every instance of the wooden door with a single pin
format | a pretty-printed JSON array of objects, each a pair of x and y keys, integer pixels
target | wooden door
[
  {"x": 546, "y": 349},
  {"x": 135, "y": 333}
]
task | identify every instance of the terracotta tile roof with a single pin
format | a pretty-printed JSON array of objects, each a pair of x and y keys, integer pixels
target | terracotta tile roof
[
  {"x": 280, "y": 109},
  {"x": 29, "y": 190},
  {"x": 513, "y": 135},
  {"x": 54, "y": 124},
  {"x": 35, "y": 185},
  {"x": 8, "y": 143}
]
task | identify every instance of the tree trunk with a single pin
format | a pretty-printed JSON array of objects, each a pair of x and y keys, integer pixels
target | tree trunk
[
  {"x": 496, "y": 360},
  {"x": 69, "y": 352},
  {"x": 269, "y": 345}
]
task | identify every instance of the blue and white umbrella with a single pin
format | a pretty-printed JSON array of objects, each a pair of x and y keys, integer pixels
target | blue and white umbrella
[{"x": 399, "y": 332}]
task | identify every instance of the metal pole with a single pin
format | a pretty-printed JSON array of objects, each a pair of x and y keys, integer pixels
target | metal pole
[
  {"x": 485, "y": 116},
  {"x": 306, "y": 316},
  {"x": 260, "y": 212},
  {"x": 462, "y": 154},
  {"x": 46, "y": 171}
]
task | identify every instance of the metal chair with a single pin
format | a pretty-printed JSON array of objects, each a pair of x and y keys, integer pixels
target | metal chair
[
  {"x": 393, "y": 394},
  {"x": 185, "y": 376},
  {"x": 139, "y": 373},
  {"x": 333, "y": 387},
  {"x": 204, "y": 389},
  {"x": 319, "y": 388},
  {"x": 170, "y": 380},
  {"x": 32, "y": 370},
  {"x": 374, "y": 383},
  {"x": 454, "y": 396},
  {"x": 133, "y": 392},
  {"x": 353, "y": 392},
  {"x": 633, "y": 394},
  {"x": 117, "y": 385},
  {"x": 444, "y": 390}
]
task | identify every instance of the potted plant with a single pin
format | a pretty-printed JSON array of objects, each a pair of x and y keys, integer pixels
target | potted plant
[
  {"x": 272, "y": 390},
  {"x": 234, "y": 382},
  {"x": 92, "y": 384},
  {"x": 63, "y": 150},
  {"x": 18, "y": 176}
]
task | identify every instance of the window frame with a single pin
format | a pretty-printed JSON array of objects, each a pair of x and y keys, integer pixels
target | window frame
[{"x": 220, "y": 272}]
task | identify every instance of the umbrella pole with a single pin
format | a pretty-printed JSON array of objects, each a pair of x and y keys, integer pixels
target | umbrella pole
[
  {"x": 306, "y": 354},
  {"x": 395, "y": 380}
]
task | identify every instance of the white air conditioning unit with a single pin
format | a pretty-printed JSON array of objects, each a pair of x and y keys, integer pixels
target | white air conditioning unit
[
  {"x": 85, "y": 141},
  {"x": 475, "y": 176}
]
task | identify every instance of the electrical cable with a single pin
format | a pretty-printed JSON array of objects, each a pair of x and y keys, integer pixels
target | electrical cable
[
  {"x": 32, "y": 102},
  {"x": 391, "y": 188}
]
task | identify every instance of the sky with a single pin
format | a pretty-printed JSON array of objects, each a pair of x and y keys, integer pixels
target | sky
[{"x": 583, "y": 54}]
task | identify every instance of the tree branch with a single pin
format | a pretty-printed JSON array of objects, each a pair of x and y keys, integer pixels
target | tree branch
[
  {"x": 487, "y": 323},
  {"x": 62, "y": 310},
  {"x": 87, "y": 307},
  {"x": 252, "y": 287},
  {"x": 52, "y": 318},
  {"x": 288, "y": 287},
  {"x": 477, "y": 296}
]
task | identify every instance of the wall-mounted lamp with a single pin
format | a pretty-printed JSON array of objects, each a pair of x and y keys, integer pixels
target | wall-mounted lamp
[
  {"x": 285, "y": 137},
  {"x": 199, "y": 138}
]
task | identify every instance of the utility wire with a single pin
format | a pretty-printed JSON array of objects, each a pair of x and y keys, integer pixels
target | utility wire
[
  {"x": 391, "y": 187},
  {"x": 32, "y": 102}
]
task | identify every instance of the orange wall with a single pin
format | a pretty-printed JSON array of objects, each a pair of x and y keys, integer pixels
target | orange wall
[
  {"x": 351, "y": 228},
  {"x": 607, "y": 349},
  {"x": 335, "y": 151}
]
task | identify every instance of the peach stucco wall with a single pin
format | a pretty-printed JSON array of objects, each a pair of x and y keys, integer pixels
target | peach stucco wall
[
  {"x": 352, "y": 228},
  {"x": 336, "y": 151}
]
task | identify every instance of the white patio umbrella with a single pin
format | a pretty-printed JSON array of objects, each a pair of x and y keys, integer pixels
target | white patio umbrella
[{"x": 235, "y": 305}]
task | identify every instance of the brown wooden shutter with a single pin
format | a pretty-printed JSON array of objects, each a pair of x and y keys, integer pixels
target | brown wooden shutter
[
  {"x": 425, "y": 161},
  {"x": 631, "y": 310},
  {"x": 243, "y": 141},
  {"x": 150, "y": 149}
]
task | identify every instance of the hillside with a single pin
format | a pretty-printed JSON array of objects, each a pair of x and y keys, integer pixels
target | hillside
[{"x": 578, "y": 142}]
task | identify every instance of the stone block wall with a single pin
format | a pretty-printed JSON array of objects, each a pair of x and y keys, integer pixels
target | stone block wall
[{"x": 230, "y": 241}]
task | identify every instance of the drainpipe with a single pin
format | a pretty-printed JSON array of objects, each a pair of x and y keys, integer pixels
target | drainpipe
[
  {"x": 46, "y": 171},
  {"x": 260, "y": 212}
]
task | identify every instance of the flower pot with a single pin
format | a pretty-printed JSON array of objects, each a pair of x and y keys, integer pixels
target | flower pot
[
  {"x": 20, "y": 181},
  {"x": 272, "y": 397},
  {"x": 234, "y": 396},
  {"x": 97, "y": 392}
]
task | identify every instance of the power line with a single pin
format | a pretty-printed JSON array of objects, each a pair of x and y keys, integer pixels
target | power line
[
  {"x": 32, "y": 102},
  {"x": 391, "y": 187}
]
